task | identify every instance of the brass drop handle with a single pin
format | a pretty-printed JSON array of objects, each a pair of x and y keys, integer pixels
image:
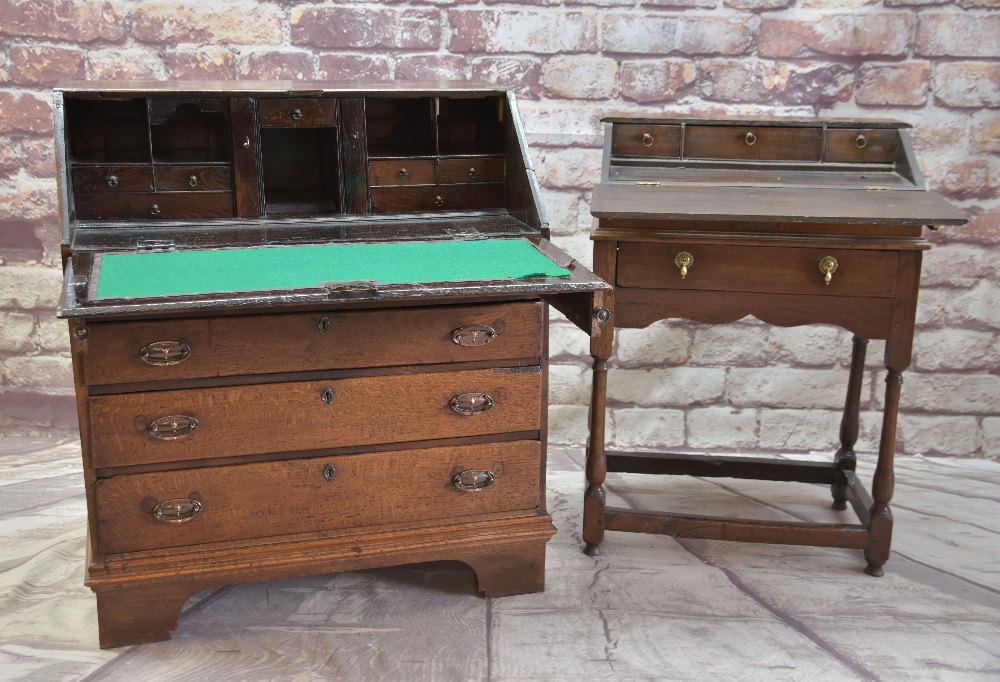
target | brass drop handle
[
  {"x": 402, "y": 173},
  {"x": 154, "y": 209},
  {"x": 177, "y": 511},
  {"x": 473, "y": 479},
  {"x": 296, "y": 114},
  {"x": 647, "y": 140},
  {"x": 751, "y": 139},
  {"x": 861, "y": 141},
  {"x": 439, "y": 201},
  {"x": 165, "y": 353},
  {"x": 467, "y": 404},
  {"x": 473, "y": 173},
  {"x": 173, "y": 427},
  {"x": 683, "y": 261},
  {"x": 112, "y": 181},
  {"x": 474, "y": 335},
  {"x": 828, "y": 266},
  {"x": 193, "y": 180}
]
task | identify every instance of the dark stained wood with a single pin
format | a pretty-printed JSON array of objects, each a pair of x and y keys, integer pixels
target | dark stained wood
[
  {"x": 297, "y": 112},
  {"x": 767, "y": 200},
  {"x": 630, "y": 139},
  {"x": 158, "y": 206},
  {"x": 112, "y": 179},
  {"x": 353, "y": 155},
  {"x": 295, "y": 342},
  {"x": 409, "y": 171},
  {"x": 471, "y": 169},
  {"x": 436, "y": 198},
  {"x": 246, "y": 157},
  {"x": 192, "y": 178}
]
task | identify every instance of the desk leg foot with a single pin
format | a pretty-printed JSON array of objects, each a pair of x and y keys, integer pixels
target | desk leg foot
[
  {"x": 879, "y": 539},
  {"x": 510, "y": 570},
  {"x": 597, "y": 466},
  {"x": 845, "y": 460},
  {"x": 129, "y": 615}
]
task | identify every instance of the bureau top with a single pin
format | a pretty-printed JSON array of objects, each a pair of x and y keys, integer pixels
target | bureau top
[
  {"x": 765, "y": 169},
  {"x": 278, "y": 87}
]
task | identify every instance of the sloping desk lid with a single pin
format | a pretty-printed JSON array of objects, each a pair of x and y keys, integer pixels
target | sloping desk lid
[{"x": 785, "y": 204}]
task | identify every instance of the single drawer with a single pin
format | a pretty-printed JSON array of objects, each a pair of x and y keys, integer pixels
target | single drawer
[
  {"x": 297, "y": 112},
  {"x": 472, "y": 169},
  {"x": 182, "y": 425},
  {"x": 437, "y": 198},
  {"x": 411, "y": 487},
  {"x": 773, "y": 270},
  {"x": 192, "y": 178},
  {"x": 635, "y": 139},
  {"x": 402, "y": 172},
  {"x": 121, "y": 352},
  {"x": 111, "y": 179},
  {"x": 861, "y": 145},
  {"x": 755, "y": 143},
  {"x": 169, "y": 206}
]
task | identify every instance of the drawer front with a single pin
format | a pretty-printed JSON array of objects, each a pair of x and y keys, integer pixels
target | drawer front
[
  {"x": 402, "y": 172},
  {"x": 178, "y": 205},
  {"x": 474, "y": 169},
  {"x": 777, "y": 270},
  {"x": 305, "y": 495},
  {"x": 297, "y": 112},
  {"x": 183, "y": 425},
  {"x": 193, "y": 178},
  {"x": 753, "y": 143},
  {"x": 437, "y": 198},
  {"x": 121, "y": 352},
  {"x": 861, "y": 145},
  {"x": 111, "y": 179},
  {"x": 632, "y": 139}
]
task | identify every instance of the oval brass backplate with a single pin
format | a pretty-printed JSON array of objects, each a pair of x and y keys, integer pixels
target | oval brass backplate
[
  {"x": 173, "y": 427},
  {"x": 471, "y": 403},
  {"x": 165, "y": 353},
  {"x": 177, "y": 511},
  {"x": 473, "y": 479},
  {"x": 473, "y": 335}
]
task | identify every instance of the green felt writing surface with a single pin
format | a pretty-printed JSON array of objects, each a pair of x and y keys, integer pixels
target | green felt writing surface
[{"x": 138, "y": 275}]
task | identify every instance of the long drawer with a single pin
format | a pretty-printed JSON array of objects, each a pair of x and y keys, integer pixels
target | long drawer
[
  {"x": 168, "y": 205},
  {"x": 776, "y": 270},
  {"x": 230, "y": 421},
  {"x": 120, "y": 352},
  {"x": 194, "y": 506}
]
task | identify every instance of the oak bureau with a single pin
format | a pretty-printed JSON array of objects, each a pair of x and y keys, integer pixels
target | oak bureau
[
  {"x": 308, "y": 324},
  {"x": 793, "y": 221}
]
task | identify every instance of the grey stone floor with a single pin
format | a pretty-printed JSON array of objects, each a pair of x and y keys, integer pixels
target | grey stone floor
[{"x": 649, "y": 608}]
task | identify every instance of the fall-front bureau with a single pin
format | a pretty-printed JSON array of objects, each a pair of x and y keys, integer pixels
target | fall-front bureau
[{"x": 309, "y": 333}]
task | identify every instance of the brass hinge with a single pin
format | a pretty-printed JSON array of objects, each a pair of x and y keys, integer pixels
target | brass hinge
[
  {"x": 646, "y": 184},
  {"x": 155, "y": 245},
  {"x": 877, "y": 188}
]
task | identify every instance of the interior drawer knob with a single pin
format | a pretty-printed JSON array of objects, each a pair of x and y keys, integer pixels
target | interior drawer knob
[
  {"x": 828, "y": 266},
  {"x": 165, "y": 353},
  {"x": 684, "y": 261},
  {"x": 296, "y": 114},
  {"x": 647, "y": 140},
  {"x": 473, "y": 479},
  {"x": 154, "y": 209},
  {"x": 112, "y": 181},
  {"x": 177, "y": 511},
  {"x": 439, "y": 201},
  {"x": 467, "y": 404},
  {"x": 402, "y": 174},
  {"x": 751, "y": 139},
  {"x": 174, "y": 427},
  {"x": 861, "y": 141},
  {"x": 193, "y": 181},
  {"x": 473, "y": 173},
  {"x": 473, "y": 335}
]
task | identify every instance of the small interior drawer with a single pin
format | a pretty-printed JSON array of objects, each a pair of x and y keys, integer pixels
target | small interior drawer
[
  {"x": 240, "y": 502},
  {"x": 472, "y": 169},
  {"x": 154, "y": 206},
  {"x": 437, "y": 198},
  {"x": 753, "y": 143},
  {"x": 255, "y": 419},
  {"x": 402, "y": 172},
  {"x": 192, "y": 178},
  {"x": 859, "y": 145},
  {"x": 639, "y": 139},
  {"x": 111, "y": 179},
  {"x": 187, "y": 348},
  {"x": 297, "y": 112},
  {"x": 777, "y": 270}
]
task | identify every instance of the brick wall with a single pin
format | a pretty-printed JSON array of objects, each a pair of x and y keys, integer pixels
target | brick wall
[{"x": 933, "y": 64}]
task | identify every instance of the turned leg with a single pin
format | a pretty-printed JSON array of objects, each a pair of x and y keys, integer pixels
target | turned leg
[
  {"x": 509, "y": 570},
  {"x": 139, "y": 613},
  {"x": 844, "y": 459},
  {"x": 597, "y": 466},
  {"x": 880, "y": 531}
]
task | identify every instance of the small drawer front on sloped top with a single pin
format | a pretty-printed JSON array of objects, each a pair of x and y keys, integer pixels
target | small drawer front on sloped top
[
  {"x": 241, "y": 502},
  {"x": 754, "y": 143},
  {"x": 858, "y": 145},
  {"x": 230, "y": 421},
  {"x": 774, "y": 270},
  {"x": 297, "y": 112},
  {"x": 187, "y": 348},
  {"x": 640, "y": 139},
  {"x": 431, "y": 198},
  {"x": 391, "y": 172}
]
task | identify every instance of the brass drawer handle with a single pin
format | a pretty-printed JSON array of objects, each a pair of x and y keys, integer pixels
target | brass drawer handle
[
  {"x": 751, "y": 139},
  {"x": 828, "y": 266},
  {"x": 174, "y": 427},
  {"x": 473, "y": 479},
  {"x": 165, "y": 353},
  {"x": 439, "y": 201},
  {"x": 684, "y": 260},
  {"x": 193, "y": 180},
  {"x": 154, "y": 209},
  {"x": 467, "y": 404},
  {"x": 402, "y": 173},
  {"x": 473, "y": 335},
  {"x": 177, "y": 511},
  {"x": 473, "y": 173},
  {"x": 296, "y": 114},
  {"x": 861, "y": 141},
  {"x": 647, "y": 140},
  {"x": 112, "y": 181}
]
